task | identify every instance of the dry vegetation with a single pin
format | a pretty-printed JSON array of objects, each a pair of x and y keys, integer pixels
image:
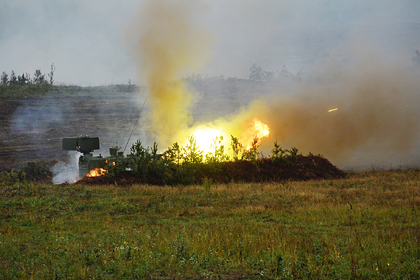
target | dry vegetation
[{"x": 363, "y": 227}]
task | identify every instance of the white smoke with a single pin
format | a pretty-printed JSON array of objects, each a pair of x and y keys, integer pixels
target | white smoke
[{"x": 67, "y": 172}]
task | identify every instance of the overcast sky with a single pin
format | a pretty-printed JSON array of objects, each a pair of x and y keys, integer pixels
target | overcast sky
[{"x": 87, "y": 40}]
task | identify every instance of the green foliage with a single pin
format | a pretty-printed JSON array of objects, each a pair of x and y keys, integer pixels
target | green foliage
[
  {"x": 51, "y": 74},
  {"x": 36, "y": 171},
  {"x": 217, "y": 153},
  {"x": 32, "y": 171},
  {"x": 278, "y": 155},
  {"x": 144, "y": 162},
  {"x": 184, "y": 175},
  {"x": 293, "y": 230},
  {"x": 13, "y": 79},
  {"x": 236, "y": 147},
  {"x": 252, "y": 153},
  {"x": 192, "y": 152},
  {"x": 175, "y": 166},
  {"x": 139, "y": 159},
  {"x": 160, "y": 166},
  {"x": 10, "y": 178},
  {"x": 24, "y": 79},
  {"x": 39, "y": 78},
  {"x": 293, "y": 152},
  {"x": 4, "y": 79},
  {"x": 174, "y": 154},
  {"x": 22, "y": 85},
  {"x": 185, "y": 165},
  {"x": 116, "y": 163}
]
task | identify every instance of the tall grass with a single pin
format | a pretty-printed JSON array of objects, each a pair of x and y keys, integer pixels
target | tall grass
[{"x": 363, "y": 227}]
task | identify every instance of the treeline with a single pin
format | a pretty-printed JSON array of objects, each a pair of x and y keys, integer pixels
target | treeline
[
  {"x": 25, "y": 78},
  {"x": 18, "y": 86},
  {"x": 256, "y": 73},
  {"x": 12, "y": 85}
]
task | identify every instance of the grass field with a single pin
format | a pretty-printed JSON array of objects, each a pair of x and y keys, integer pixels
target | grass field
[{"x": 366, "y": 226}]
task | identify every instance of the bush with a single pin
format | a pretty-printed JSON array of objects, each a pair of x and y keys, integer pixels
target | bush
[
  {"x": 37, "y": 171},
  {"x": 185, "y": 165},
  {"x": 33, "y": 171}
]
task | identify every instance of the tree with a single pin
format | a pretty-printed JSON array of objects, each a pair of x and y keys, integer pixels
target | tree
[
  {"x": 236, "y": 147},
  {"x": 13, "y": 79},
  {"x": 192, "y": 153},
  {"x": 257, "y": 74},
  {"x": 23, "y": 80},
  {"x": 4, "y": 78},
  {"x": 217, "y": 153},
  {"x": 39, "y": 78},
  {"x": 51, "y": 74}
]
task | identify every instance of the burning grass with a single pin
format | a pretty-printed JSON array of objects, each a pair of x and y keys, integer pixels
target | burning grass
[{"x": 363, "y": 227}]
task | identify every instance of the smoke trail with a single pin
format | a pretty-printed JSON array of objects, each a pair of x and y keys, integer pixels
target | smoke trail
[{"x": 170, "y": 41}]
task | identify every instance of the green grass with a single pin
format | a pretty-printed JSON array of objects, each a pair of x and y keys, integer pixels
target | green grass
[{"x": 366, "y": 226}]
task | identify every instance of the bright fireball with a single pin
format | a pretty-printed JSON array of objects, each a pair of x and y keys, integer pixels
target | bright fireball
[{"x": 205, "y": 138}]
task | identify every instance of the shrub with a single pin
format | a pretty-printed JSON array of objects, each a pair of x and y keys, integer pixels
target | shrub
[
  {"x": 252, "y": 153},
  {"x": 33, "y": 171},
  {"x": 37, "y": 171},
  {"x": 217, "y": 153},
  {"x": 192, "y": 153},
  {"x": 185, "y": 165},
  {"x": 236, "y": 147},
  {"x": 278, "y": 155}
]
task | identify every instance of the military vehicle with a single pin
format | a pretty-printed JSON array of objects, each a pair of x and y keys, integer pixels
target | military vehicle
[{"x": 86, "y": 145}]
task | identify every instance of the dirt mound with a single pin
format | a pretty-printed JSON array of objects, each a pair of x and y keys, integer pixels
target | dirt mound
[
  {"x": 300, "y": 168},
  {"x": 296, "y": 169}
]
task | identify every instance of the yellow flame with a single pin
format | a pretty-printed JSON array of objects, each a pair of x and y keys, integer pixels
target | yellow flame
[
  {"x": 205, "y": 138},
  {"x": 256, "y": 131},
  {"x": 332, "y": 110}
]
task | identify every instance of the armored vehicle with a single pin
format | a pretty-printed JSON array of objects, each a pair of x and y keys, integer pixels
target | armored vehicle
[{"x": 86, "y": 145}]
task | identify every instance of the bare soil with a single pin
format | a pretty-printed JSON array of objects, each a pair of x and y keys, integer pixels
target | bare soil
[{"x": 32, "y": 128}]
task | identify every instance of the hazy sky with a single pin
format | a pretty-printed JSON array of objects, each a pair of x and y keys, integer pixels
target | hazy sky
[{"x": 88, "y": 40}]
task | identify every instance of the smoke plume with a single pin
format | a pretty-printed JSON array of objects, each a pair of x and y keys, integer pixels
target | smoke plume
[
  {"x": 355, "y": 98},
  {"x": 169, "y": 41},
  {"x": 367, "y": 103}
]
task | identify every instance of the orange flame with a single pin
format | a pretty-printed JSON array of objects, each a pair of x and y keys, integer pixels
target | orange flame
[
  {"x": 255, "y": 132},
  {"x": 107, "y": 162},
  {"x": 97, "y": 172}
]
